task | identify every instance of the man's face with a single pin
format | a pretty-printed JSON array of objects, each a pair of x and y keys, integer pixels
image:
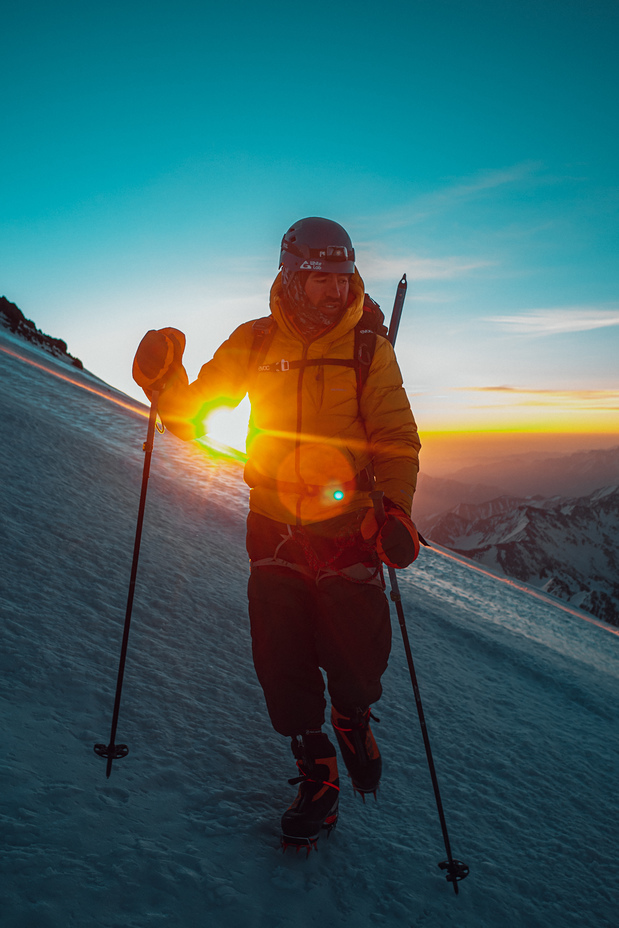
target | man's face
[{"x": 328, "y": 292}]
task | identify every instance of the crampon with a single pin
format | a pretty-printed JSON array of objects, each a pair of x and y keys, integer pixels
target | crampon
[
  {"x": 315, "y": 807},
  {"x": 308, "y": 844},
  {"x": 367, "y": 792}
]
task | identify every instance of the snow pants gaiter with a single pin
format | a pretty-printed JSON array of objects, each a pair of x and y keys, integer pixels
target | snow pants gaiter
[{"x": 316, "y": 600}]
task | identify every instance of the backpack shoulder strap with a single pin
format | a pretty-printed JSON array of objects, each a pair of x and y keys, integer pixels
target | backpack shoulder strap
[
  {"x": 371, "y": 324},
  {"x": 374, "y": 316},
  {"x": 365, "y": 346},
  {"x": 263, "y": 330},
  {"x": 363, "y": 351}
]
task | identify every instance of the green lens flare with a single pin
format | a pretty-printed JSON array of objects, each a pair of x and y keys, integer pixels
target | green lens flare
[{"x": 339, "y": 494}]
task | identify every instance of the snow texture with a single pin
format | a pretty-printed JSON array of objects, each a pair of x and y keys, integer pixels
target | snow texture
[{"x": 519, "y": 693}]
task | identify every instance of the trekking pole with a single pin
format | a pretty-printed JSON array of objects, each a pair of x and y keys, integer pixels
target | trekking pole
[
  {"x": 113, "y": 751},
  {"x": 456, "y": 869}
]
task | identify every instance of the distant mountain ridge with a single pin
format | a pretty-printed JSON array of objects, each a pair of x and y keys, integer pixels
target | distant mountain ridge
[
  {"x": 519, "y": 476},
  {"x": 12, "y": 318},
  {"x": 549, "y": 475},
  {"x": 435, "y": 495},
  {"x": 568, "y": 547}
]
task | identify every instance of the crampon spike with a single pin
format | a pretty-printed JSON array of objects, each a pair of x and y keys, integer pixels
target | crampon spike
[
  {"x": 364, "y": 793},
  {"x": 308, "y": 844}
]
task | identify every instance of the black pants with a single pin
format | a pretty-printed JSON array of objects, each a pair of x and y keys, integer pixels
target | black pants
[{"x": 305, "y": 615}]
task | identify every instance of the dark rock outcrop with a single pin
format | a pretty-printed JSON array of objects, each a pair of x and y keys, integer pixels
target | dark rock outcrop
[{"x": 12, "y": 318}]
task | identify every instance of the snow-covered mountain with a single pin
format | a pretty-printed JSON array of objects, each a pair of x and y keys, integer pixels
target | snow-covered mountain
[
  {"x": 567, "y": 547},
  {"x": 436, "y": 495},
  {"x": 519, "y": 693}
]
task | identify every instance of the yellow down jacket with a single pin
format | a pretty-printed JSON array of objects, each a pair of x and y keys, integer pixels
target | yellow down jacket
[{"x": 311, "y": 438}]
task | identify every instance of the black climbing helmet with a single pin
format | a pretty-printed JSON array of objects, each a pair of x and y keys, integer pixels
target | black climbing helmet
[{"x": 315, "y": 244}]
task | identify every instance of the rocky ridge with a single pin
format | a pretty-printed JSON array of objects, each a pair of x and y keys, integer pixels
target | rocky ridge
[{"x": 12, "y": 318}]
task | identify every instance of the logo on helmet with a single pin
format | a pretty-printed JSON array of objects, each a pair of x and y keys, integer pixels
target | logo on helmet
[{"x": 316, "y": 244}]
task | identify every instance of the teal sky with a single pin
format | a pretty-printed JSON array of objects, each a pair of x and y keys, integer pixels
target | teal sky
[{"x": 154, "y": 153}]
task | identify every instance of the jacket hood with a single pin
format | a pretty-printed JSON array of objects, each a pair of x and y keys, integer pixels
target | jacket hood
[{"x": 351, "y": 315}]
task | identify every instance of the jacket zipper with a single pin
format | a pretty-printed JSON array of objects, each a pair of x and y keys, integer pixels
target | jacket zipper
[{"x": 297, "y": 448}]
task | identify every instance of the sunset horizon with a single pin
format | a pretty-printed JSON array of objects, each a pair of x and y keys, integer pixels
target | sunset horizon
[{"x": 151, "y": 171}]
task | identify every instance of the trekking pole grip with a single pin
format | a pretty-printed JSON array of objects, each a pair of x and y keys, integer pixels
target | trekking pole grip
[{"x": 377, "y": 497}]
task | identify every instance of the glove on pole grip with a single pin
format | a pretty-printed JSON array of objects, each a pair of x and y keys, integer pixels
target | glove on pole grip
[
  {"x": 394, "y": 533},
  {"x": 158, "y": 358},
  {"x": 378, "y": 501}
]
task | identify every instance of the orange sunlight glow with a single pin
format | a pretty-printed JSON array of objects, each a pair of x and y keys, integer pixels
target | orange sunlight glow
[
  {"x": 446, "y": 451},
  {"x": 228, "y": 427},
  {"x": 134, "y": 406},
  {"x": 223, "y": 451},
  {"x": 231, "y": 433},
  {"x": 521, "y": 409}
]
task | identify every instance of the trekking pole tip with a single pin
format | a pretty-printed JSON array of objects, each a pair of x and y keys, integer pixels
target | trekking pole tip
[
  {"x": 111, "y": 752},
  {"x": 456, "y": 871}
]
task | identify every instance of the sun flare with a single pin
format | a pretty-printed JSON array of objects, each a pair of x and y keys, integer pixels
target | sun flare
[{"x": 229, "y": 426}]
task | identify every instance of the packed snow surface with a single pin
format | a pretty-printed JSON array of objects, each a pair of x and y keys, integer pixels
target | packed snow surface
[{"x": 520, "y": 698}]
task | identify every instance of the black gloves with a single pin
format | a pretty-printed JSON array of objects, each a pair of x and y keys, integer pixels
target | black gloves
[{"x": 396, "y": 540}]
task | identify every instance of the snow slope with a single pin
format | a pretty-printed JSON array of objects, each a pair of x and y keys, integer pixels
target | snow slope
[{"x": 520, "y": 698}]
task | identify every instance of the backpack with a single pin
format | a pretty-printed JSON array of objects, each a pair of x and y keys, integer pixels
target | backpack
[{"x": 371, "y": 324}]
